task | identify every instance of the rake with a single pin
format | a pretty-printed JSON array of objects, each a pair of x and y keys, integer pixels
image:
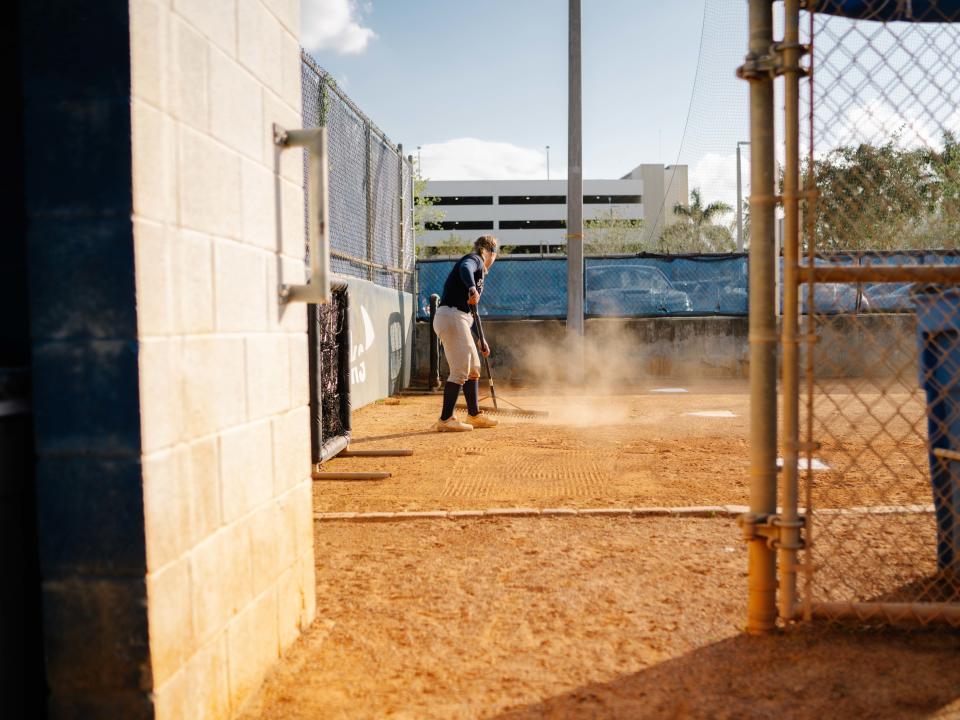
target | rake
[{"x": 515, "y": 410}]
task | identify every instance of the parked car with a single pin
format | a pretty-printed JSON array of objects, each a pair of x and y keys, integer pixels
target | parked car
[
  {"x": 888, "y": 297},
  {"x": 834, "y": 299},
  {"x": 626, "y": 290}
]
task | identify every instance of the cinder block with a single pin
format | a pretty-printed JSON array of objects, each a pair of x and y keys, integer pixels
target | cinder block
[
  {"x": 170, "y": 612},
  {"x": 236, "y": 106},
  {"x": 287, "y": 548},
  {"x": 291, "y": 449},
  {"x": 302, "y": 498},
  {"x": 152, "y": 248},
  {"x": 246, "y": 469},
  {"x": 148, "y": 51},
  {"x": 217, "y": 19},
  {"x": 293, "y": 237},
  {"x": 86, "y": 399},
  {"x": 259, "y": 42},
  {"x": 292, "y": 93},
  {"x": 60, "y": 59},
  {"x": 264, "y": 526},
  {"x": 213, "y": 384},
  {"x": 260, "y": 201},
  {"x": 285, "y": 317},
  {"x": 308, "y": 585},
  {"x": 242, "y": 295},
  {"x": 209, "y": 174},
  {"x": 268, "y": 375},
  {"x": 161, "y": 422},
  {"x": 189, "y": 84},
  {"x": 222, "y": 582},
  {"x": 90, "y": 516},
  {"x": 192, "y": 280},
  {"x": 95, "y": 633},
  {"x": 166, "y": 506},
  {"x": 288, "y": 13},
  {"x": 200, "y": 691},
  {"x": 299, "y": 370},
  {"x": 65, "y": 137},
  {"x": 154, "y": 163},
  {"x": 253, "y": 646},
  {"x": 68, "y": 261},
  {"x": 289, "y": 163},
  {"x": 205, "y": 504}
]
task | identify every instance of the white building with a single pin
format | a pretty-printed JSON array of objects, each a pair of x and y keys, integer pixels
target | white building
[{"x": 533, "y": 213}]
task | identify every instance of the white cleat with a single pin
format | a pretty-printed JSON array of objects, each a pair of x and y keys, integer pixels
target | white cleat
[
  {"x": 451, "y": 424},
  {"x": 482, "y": 421}
]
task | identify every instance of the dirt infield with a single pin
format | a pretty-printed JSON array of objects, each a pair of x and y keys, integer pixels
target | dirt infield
[
  {"x": 591, "y": 617},
  {"x": 645, "y": 448},
  {"x": 578, "y": 618}
]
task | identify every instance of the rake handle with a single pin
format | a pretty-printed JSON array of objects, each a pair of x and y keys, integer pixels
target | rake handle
[{"x": 486, "y": 360}]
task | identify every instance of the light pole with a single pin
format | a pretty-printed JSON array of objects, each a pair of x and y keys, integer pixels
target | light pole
[
  {"x": 548, "y": 162},
  {"x": 420, "y": 169},
  {"x": 574, "y": 189},
  {"x": 740, "y": 199}
]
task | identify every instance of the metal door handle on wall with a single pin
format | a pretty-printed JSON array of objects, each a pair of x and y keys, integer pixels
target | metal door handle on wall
[{"x": 314, "y": 140}]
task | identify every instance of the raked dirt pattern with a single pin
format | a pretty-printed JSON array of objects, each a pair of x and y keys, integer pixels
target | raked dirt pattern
[
  {"x": 578, "y": 618},
  {"x": 584, "y": 617},
  {"x": 638, "y": 448}
]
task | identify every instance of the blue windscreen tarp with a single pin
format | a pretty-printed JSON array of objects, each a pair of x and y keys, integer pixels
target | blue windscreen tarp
[
  {"x": 632, "y": 286},
  {"x": 924, "y": 11}
]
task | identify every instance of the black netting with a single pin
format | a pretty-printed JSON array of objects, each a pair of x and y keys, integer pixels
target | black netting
[{"x": 330, "y": 370}]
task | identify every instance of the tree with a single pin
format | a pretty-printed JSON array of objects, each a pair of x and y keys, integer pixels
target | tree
[
  {"x": 885, "y": 197},
  {"x": 695, "y": 230},
  {"x": 612, "y": 234},
  {"x": 425, "y": 211}
]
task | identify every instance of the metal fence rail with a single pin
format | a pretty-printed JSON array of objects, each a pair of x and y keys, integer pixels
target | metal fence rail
[{"x": 371, "y": 187}]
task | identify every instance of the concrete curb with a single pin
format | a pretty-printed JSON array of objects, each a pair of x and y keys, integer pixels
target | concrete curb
[{"x": 694, "y": 511}]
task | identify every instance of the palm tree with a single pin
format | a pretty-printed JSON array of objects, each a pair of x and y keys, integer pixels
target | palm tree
[{"x": 699, "y": 220}]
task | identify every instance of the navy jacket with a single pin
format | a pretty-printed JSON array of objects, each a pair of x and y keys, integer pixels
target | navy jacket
[{"x": 466, "y": 273}]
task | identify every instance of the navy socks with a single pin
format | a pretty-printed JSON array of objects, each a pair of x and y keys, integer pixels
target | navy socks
[
  {"x": 471, "y": 391},
  {"x": 451, "y": 391}
]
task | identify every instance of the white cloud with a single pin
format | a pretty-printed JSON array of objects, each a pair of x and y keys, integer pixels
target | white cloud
[
  {"x": 335, "y": 25},
  {"x": 878, "y": 122},
  {"x": 716, "y": 176},
  {"x": 473, "y": 159}
]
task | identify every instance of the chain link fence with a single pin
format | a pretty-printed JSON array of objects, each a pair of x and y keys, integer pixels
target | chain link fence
[
  {"x": 880, "y": 219},
  {"x": 646, "y": 285},
  {"x": 371, "y": 187}
]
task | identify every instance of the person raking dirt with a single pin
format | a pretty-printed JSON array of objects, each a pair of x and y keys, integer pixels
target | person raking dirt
[{"x": 453, "y": 325}]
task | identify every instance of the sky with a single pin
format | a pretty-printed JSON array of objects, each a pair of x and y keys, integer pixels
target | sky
[{"x": 481, "y": 87}]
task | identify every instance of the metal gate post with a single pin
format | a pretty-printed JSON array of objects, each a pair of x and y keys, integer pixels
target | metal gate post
[
  {"x": 758, "y": 69},
  {"x": 790, "y": 539},
  {"x": 368, "y": 170},
  {"x": 434, "y": 381}
]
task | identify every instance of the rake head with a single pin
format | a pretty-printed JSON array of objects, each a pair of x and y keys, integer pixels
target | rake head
[{"x": 511, "y": 412}]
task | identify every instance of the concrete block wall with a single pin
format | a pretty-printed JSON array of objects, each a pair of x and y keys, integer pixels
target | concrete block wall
[
  {"x": 83, "y": 354},
  {"x": 223, "y": 387}
]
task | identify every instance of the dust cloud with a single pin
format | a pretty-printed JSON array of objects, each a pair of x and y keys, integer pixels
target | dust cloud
[{"x": 586, "y": 378}]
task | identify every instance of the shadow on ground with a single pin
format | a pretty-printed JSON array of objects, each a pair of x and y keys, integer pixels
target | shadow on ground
[{"x": 810, "y": 672}]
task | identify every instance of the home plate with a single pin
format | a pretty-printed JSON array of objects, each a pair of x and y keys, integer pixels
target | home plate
[
  {"x": 802, "y": 464},
  {"x": 712, "y": 413},
  {"x": 669, "y": 390}
]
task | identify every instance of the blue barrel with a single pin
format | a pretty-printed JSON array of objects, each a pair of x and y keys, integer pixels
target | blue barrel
[{"x": 938, "y": 336}]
